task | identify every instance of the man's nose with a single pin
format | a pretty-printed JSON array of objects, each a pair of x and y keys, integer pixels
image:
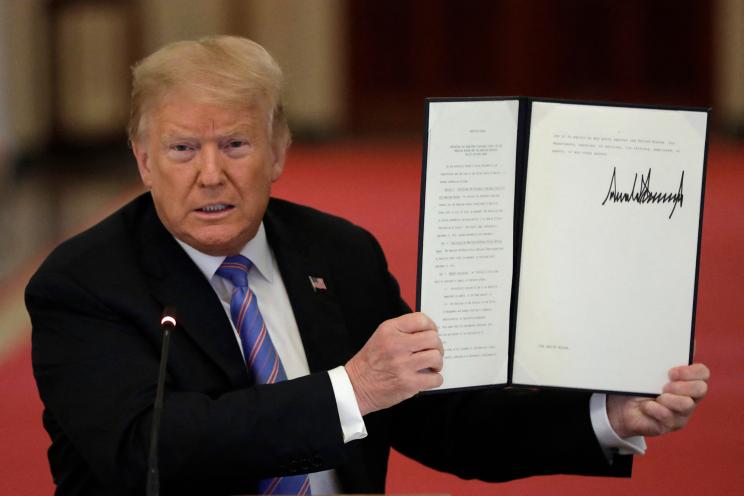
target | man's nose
[{"x": 210, "y": 171}]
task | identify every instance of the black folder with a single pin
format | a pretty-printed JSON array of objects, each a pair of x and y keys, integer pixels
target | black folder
[{"x": 559, "y": 240}]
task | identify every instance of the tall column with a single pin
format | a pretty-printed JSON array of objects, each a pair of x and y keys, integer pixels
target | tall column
[
  {"x": 729, "y": 43},
  {"x": 91, "y": 62},
  {"x": 26, "y": 72},
  {"x": 5, "y": 136},
  {"x": 165, "y": 21},
  {"x": 307, "y": 39}
]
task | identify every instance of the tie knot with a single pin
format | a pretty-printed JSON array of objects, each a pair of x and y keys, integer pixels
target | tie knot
[{"x": 235, "y": 269}]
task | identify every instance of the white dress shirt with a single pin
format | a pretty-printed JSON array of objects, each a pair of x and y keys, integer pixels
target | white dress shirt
[{"x": 266, "y": 283}]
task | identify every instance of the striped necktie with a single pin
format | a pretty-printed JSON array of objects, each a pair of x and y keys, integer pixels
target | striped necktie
[{"x": 260, "y": 356}]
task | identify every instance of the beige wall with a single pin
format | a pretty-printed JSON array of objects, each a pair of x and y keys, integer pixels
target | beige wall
[
  {"x": 92, "y": 85},
  {"x": 729, "y": 31},
  {"x": 306, "y": 36},
  {"x": 164, "y": 21},
  {"x": 4, "y": 125},
  {"x": 5, "y": 132},
  {"x": 27, "y": 75}
]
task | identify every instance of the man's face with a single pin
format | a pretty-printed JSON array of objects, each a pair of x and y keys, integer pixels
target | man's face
[{"x": 209, "y": 170}]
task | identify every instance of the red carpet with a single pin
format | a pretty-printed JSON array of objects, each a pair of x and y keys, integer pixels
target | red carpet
[{"x": 377, "y": 187}]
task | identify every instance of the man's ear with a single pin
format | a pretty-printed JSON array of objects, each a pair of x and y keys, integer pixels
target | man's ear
[
  {"x": 280, "y": 147},
  {"x": 143, "y": 165}
]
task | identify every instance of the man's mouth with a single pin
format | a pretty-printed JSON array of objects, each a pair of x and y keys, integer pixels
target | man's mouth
[{"x": 215, "y": 208}]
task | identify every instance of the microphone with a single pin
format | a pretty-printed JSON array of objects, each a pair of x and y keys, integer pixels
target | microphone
[{"x": 167, "y": 324}]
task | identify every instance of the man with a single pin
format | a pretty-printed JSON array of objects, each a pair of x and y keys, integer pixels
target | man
[{"x": 209, "y": 137}]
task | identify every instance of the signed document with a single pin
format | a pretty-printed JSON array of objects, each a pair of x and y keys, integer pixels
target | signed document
[{"x": 559, "y": 241}]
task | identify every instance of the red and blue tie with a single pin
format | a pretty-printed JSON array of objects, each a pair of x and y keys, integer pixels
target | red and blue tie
[{"x": 260, "y": 356}]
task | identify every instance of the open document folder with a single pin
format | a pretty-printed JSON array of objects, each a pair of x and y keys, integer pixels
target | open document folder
[{"x": 559, "y": 241}]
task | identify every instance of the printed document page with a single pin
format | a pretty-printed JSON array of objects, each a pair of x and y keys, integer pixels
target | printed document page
[
  {"x": 466, "y": 262},
  {"x": 609, "y": 246}
]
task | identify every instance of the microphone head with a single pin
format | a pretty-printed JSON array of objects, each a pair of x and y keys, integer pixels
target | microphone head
[{"x": 168, "y": 319}]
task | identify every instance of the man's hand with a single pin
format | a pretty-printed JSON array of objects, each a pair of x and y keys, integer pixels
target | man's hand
[
  {"x": 633, "y": 416},
  {"x": 401, "y": 358}
]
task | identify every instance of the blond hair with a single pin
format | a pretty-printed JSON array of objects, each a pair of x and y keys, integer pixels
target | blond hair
[{"x": 222, "y": 70}]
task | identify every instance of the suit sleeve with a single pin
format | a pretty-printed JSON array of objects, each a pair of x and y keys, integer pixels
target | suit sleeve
[
  {"x": 96, "y": 368},
  {"x": 500, "y": 434}
]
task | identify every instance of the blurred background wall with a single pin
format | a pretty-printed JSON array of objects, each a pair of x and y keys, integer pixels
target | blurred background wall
[
  {"x": 354, "y": 68},
  {"x": 362, "y": 66}
]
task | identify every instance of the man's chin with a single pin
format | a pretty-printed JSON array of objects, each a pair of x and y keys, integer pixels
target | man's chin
[
  {"x": 218, "y": 249},
  {"x": 218, "y": 244}
]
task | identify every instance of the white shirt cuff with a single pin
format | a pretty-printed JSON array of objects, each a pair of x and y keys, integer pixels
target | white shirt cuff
[
  {"x": 608, "y": 439},
  {"x": 352, "y": 424}
]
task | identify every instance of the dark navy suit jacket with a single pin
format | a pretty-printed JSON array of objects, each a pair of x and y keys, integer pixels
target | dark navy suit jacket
[{"x": 95, "y": 305}]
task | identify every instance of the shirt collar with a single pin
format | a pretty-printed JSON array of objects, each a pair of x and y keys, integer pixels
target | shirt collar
[{"x": 256, "y": 250}]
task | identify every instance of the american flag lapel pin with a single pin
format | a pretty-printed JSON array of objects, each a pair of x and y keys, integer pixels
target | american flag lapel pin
[{"x": 317, "y": 283}]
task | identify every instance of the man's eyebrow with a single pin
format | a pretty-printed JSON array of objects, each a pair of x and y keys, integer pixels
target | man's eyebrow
[
  {"x": 168, "y": 137},
  {"x": 239, "y": 129},
  {"x": 176, "y": 133}
]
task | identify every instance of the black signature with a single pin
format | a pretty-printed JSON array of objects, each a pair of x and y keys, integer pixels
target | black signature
[{"x": 644, "y": 193}]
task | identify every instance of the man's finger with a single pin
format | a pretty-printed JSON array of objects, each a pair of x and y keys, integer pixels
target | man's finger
[
  {"x": 429, "y": 359},
  {"x": 694, "y": 372},
  {"x": 668, "y": 419},
  {"x": 414, "y": 322},
  {"x": 424, "y": 340},
  {"x": 681, "y": 405},
  {"x": 660, "y": 414},
  {"x": 694, "y": 389},
  {"x": 428, "y": 379}
]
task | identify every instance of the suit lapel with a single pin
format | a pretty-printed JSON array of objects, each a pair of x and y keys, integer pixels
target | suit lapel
[
  {"x": 176, "y": 281},
  {"x": 317, "y": 312}
]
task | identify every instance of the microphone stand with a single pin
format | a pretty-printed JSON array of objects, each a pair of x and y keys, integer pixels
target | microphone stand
[{"x": 167, "y": 324}]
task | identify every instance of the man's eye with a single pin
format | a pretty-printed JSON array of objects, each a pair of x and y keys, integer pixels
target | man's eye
[
  {"x": 236, "y": 148},
  {"x": 181, "y": 152}
]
